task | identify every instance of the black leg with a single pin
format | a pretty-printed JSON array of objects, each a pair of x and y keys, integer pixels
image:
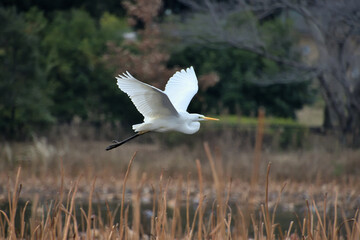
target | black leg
[{"x": 117, "y": 143}]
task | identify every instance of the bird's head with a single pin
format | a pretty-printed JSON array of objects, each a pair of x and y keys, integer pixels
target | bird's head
[
  {"x": 198, "y": 117},
  {"x": 192, "y": 122}
]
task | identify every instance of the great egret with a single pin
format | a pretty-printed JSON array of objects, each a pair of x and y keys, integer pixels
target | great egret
[{"x": 163, "y": 110}]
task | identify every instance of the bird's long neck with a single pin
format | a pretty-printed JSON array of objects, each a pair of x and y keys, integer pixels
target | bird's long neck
[{"x": 191, "y": 125}]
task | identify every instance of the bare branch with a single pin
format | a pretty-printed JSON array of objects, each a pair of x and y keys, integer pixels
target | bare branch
[{"x": 332, "y": 25}]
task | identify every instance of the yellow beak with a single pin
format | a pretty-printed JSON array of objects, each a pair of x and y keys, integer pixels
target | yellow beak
[{"x": 209, "y": 118}]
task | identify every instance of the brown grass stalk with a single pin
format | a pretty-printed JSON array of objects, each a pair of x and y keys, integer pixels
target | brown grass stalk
[
  {"x": 323, "y": 230},
  {"x": 2, "y": 227},
  {"x": 121, "y": 225},
  {"x": 289, "y": 230},
  {"x": 193, "y": 222},
  {"x": 137, "y": 208},
  {"x": 187, "y": 230},
  {"x": 61, "y": 222},
  {"x": 176, "y": 214},
  {"x": 335, "y": 216},
  {"x": 152, "y": 223},
  {"x": 6, "y": 219},
  {"x": 22, "y": 220},
  {"x": 201, "y": 197},
  {"x": 346, "y": 223},
  {"x": 242, "y": 226},
  {"x": 310, "y": 221},
  {"x": 13, "y": 201},
  {"x": 266, "y": 213},
  {"x": 75, "y": 225},
  {"x": 219, "y": 190},
  {"x": 88, "y": 219},
  {"x": 68, "y": 212}
]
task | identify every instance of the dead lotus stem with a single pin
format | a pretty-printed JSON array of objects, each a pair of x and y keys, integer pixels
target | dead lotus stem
[
  {"x": 324, "y": 216},
  {"x": 72, "y": 204},
  {"x": 187, "y": 204},
  {"x": 6, "y": 218},
  {"x": 356, "y": 225},
  {"x": 242, "y": 224},
  {"x": 75, "y": 227},
  {"x": 136, "y": 205},
  {"x": 84, "y": 216},
  {"x": 158, "y": 219},
  {"x": 2, "y": 227},
  {"x": 164, "y": 211},
  {"x": 47, "y": 224},
  {"x": 309, "y": 225},
  {"x": 228, "y": 193},
  {"x": 13, "y": 200},
  {"x": 112, "y": 216},
  {"x": 126, "y": 217},
  {"x": 121, "y": 230},
  {"x": 35, "y": 231},
  {"x": 323, "y": 230},
  {"x": 266, "y": 213},
  {"x": 218, "y": 188},
  {"x": 289, "y": 230},
  {"x": 88, "y": 219},
  {"x": 152, "y": 224},
  {"x": 198, "y": 165},
  {"x": 281, "y": 235},
  {"x": 175, "y": 212},
  {"x": 303, "y": 228},
  {"x": 22, "y": 220},
  {"x": 193, "y": 223},
  {"x": 228, "y": 224},
  {"x": 335, "y": 214}
]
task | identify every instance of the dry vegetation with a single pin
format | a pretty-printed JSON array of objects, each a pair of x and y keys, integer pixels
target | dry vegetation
[
  {"x": 212, "y": 197},
  {"x": 75, "y": 189}
]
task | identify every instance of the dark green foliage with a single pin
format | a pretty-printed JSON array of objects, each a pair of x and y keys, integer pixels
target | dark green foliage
[
  {"x": 236, "y": 92},
  {"x": 240, "y": 89},
  {"x": 24, "y": 100},
  {"x": 74, "y": 46},
  {"x": 95, "y": 7},
  {"x": 52, "y": 70}
]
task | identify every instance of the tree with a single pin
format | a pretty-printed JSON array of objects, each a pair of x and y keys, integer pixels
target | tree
[
  {"x": 143, "y": 56},
  {"x": 332, "y": 25},
  {"x": 242, "y": 71},
  {"x": 24, "y": 94},
  {"x": 83, "y": 86},
  {"x": 94, "y": 7},
  {"x": 233, "y": 93}
]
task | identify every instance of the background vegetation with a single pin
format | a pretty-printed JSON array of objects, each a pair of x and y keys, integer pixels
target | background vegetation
[
  {"x": 257, "y": 62},
  {"x": 58, "y": 64}
]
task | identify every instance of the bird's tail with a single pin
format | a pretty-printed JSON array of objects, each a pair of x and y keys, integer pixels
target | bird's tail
[
  {"x": 117, "y": 144},
  {"x": 141, "y": 127}
]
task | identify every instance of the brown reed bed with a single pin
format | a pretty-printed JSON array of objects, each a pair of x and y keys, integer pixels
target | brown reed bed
[{"x": 217, "y": 217}]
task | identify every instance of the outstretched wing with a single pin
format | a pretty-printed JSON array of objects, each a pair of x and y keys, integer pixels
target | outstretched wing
[
  {"x": 181, "y": 88},
  {"x": 148, "y": 100}
]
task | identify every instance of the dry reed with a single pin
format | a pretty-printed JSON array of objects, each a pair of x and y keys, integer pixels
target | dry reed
[{"x": 58, "y": 220}]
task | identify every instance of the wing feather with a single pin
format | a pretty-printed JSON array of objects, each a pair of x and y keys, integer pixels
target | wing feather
[
  {"x": 181, "y": 88},
  {"x": 151, "y": 102}
]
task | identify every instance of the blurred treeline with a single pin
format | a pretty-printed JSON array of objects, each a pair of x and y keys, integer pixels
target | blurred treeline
[{"x": 58, "y": 60}]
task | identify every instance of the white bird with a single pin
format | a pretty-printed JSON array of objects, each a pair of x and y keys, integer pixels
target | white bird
[{"x": 163, "y": 110}]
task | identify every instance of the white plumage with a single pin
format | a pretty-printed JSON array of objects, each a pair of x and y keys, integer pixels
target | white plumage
[
  {"x": 150, "y": 101},
  {"x": 163, "y": 110},
  {"x": 181, "y": 88}
]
